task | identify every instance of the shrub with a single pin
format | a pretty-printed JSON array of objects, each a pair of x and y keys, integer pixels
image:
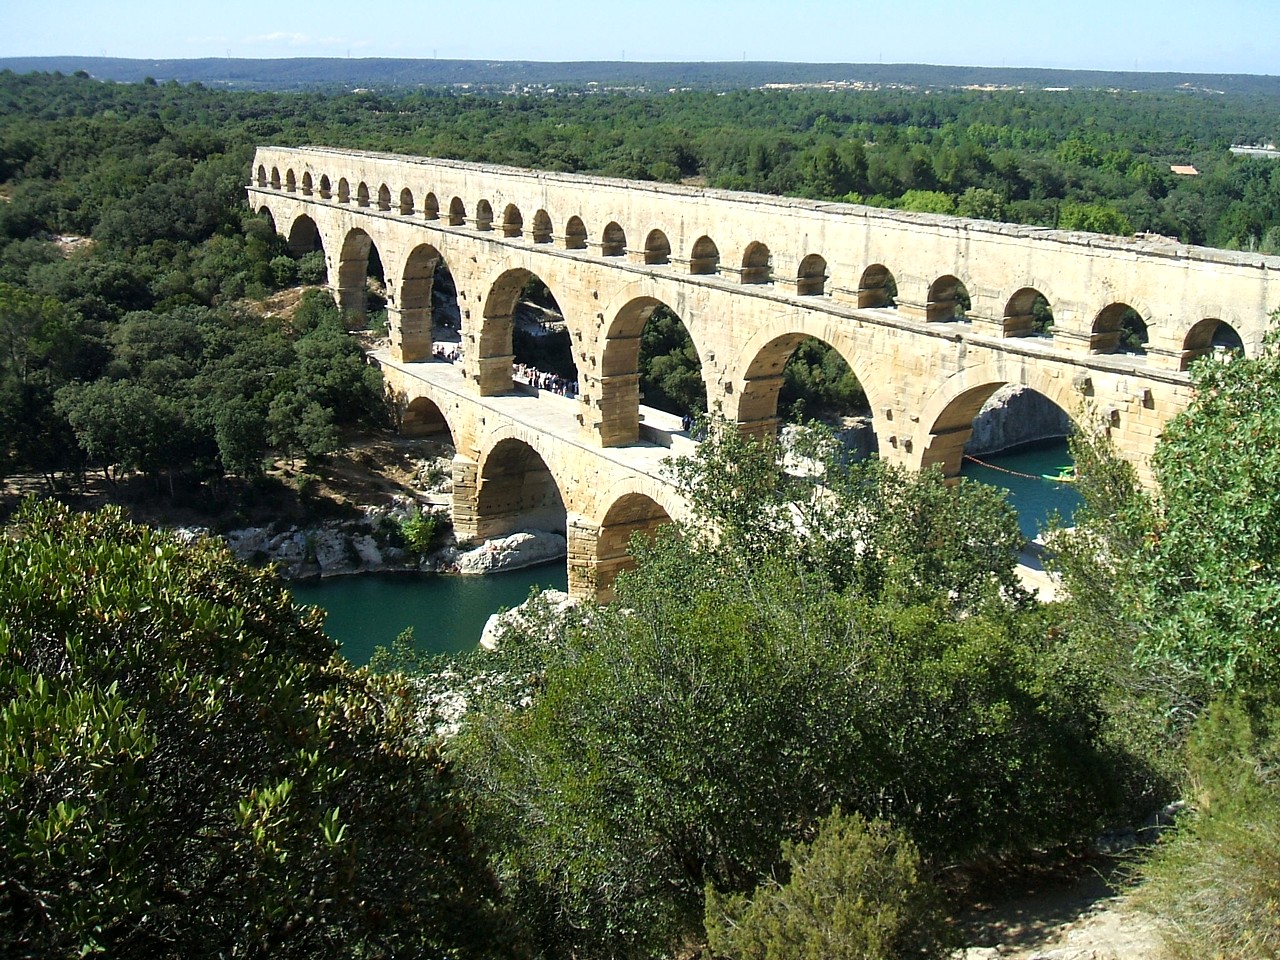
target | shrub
[
  {"x": 1215, "y": 884},
  {"x": 284, "y": 271},
  {"x": 855, "y": 893},
  {"x": 187, "y": 770},
  {"x": 311, "y": 268},
  {"x": 419, "y": 531}
]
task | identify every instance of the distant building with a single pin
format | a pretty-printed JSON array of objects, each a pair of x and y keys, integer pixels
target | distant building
[
  {"x": 1265, "y": 150},
  {"x": 1184, "y": 170}
]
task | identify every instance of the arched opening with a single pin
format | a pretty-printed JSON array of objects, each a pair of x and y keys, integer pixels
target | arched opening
[
  {"x": 613, "y": 242},
  {"x": 705, "y": 258},
  {"x": 290, "y": 181},
  {"x": 877, "y": 288},
  {"x": 1028, "y": 314},
  {"x": 542, "y": 227},
  {"x": 344, "y": 191},
  {"x": 575, "y": 234},
  {"x": 1010, "y": 436},
  {"x": 811, "y": 280},
  {"x": 424, "y": 422},
  {"x": 512, "y": 221},
  {"x": 516, "y": 491},
  {"x": 796, "y": 378},
  {"x": 540, "y": 344},
  {"x": 541, "y": 352},
  {"x": 948, "y": 301},
  {"x": 275, "y": 178},
  {"x": 361, "y": 289},
  {"x": 757, "y": 264},
  {"x": 307, "y": 247},
  {"x": 265, "y": 211},
  {"x": 384, "y": 197},
  {"x": 630, "y": 514},
  {"x": 423, "y": 418},
  {"x": 648, "y": 357},
  {"x": 362, "y": 195},
  {"x": 1211, "y": 337},
  {"x": 457, "y": 212},
  {"x": 484, "y": 215},
  {"x": 1119, "y": 328},
  {"x": 262, "y": 175},
  {"x": 307, "y": 185},
  {"x": 413, "y": 335},
  {"x": 406, "y": 202},
  {"x": 304, "y": 240},
  {"x": 657, "y": 248},
  {"x": 326, "y": 188},
  {"x": 431, "y": 207}
]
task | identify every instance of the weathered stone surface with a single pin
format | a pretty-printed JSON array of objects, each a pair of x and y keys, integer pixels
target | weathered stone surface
[
  {"x": 557, "y": 602},
  {"x": 526, "y": 548},
  {"x": 750, "y": 276},
  {"x": 1015, "y": 415}
]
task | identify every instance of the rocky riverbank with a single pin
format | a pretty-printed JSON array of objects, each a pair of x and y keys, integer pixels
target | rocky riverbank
[{"x": 374, "y": 543}]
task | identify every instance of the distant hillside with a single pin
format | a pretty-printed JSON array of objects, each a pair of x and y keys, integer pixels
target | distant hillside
[{"x": 348, "y": 73}]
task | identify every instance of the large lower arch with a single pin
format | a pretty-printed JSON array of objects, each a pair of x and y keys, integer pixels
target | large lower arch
[
  {"x": 629, "y": 513},
  {"x": 410, "y": 321},
  {"x": 515, "y": 490},
  {"x": 353, "y": 270},
  {"x": 948, "y": 416},
  {"x": 619, "y": 412},
  {"x": 758, "y": 373}
]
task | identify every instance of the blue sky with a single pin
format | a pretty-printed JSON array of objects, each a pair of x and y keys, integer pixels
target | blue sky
[{"x": 1208, "y": 36}]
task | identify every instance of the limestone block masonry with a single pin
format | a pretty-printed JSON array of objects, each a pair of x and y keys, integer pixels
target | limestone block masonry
[{"x": 750, "y": 276}]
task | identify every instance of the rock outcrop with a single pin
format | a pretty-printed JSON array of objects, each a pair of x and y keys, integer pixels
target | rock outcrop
[
  {"x": 1015, "y": 415},
  {"x": 555, "y": 602},
  {"x": 371, "y": 544},
  {"x": 524, "y": 549}
]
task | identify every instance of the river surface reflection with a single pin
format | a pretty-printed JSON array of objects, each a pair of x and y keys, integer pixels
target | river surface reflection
[{"x": 447, "y": 613}]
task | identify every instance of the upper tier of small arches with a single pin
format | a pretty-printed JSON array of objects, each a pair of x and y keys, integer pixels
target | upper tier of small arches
[{"x": 1118, "y": 324}]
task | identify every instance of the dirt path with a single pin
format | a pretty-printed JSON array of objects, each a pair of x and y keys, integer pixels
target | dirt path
[{"x": 1080, "y": 918}]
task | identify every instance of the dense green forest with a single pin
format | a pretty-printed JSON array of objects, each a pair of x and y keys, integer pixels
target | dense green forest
[
  {"x": 153, "y": 174},
  {"x": 332, "y": 73},
  {"x": 807, "y": 733}
]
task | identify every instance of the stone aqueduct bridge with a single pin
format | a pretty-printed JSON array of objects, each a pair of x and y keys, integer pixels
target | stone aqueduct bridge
[{"x": 750, "y": 276}]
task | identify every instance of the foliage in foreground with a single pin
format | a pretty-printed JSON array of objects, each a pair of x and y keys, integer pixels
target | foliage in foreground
[
  {"x": 1176, "y": 596},
  {"x": 188, "y": 771},
  {"x": 1215, "y": 884},
  {"x": 1192, "y": 573},
  {"x": 856, "y": 892},
  {"x": 731, "y": 698}
]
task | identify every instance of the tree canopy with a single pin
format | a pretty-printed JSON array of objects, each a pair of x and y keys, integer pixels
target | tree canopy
[{"x": 187, "y": 770}]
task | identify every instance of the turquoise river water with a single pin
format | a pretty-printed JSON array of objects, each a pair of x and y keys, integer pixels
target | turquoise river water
[
  {"x": 1020, "y": 472},
  {"x": 447, "y": 613}
]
